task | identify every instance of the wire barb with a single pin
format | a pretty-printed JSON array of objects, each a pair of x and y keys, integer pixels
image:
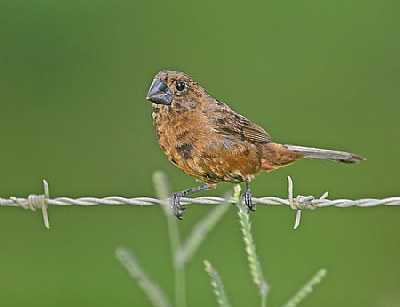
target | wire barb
[
  {"x": 299, "y": 203},
  {"x": 34, "y": 202}
]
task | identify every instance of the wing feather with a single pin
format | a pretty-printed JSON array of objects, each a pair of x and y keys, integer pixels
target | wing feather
[{"x": 228, "y": 122}]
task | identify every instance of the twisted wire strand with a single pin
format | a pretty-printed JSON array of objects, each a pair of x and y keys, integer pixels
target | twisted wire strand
[
  {"x": 28, "y": 203},
  {"x": 299, "y": 203}
]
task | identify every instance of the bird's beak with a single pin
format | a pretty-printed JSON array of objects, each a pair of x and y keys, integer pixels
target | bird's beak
[{"x": 160, "y": 93}]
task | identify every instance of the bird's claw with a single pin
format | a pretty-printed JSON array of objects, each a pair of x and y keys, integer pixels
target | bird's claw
[
  {"x": 246, "y": 197},
  {"x": 175, "y": 205}
]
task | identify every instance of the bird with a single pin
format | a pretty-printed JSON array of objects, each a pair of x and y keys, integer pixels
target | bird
[{"x": 208, "y": 140}]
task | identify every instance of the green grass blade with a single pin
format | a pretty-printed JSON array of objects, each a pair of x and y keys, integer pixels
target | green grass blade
[
  {"x": 217, "y": 285},
  {"x": 153, "y": 291},
  {"x": 199, "y": 233},
  {"x": 162, "y": 189},
  {"x": 161, "y": 186},
  {"x": 250, "y": 247},
  {"x": 306, "y": 289}
]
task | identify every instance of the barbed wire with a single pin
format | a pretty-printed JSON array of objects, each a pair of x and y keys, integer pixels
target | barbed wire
[{"x": 34, "y": 202}]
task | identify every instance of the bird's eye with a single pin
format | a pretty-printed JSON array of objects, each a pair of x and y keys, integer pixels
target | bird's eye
[{"x": 180, "y": 85}]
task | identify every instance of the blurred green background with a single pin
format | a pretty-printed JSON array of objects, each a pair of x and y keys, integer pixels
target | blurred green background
[{"x": 73, "y": 80}]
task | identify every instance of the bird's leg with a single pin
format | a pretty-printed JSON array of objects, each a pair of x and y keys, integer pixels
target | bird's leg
[
  {"x": 246, "y": 197},
  {"x": 174, "y": 200}
]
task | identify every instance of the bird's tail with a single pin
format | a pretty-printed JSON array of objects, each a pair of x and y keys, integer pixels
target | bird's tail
[{"x": 325, "y": 154}]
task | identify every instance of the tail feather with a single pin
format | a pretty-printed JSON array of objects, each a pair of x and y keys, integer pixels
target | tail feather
[{"x": 325, "y": 154}]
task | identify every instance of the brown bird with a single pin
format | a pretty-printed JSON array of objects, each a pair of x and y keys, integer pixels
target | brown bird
[{"x": 208, "y": 140}]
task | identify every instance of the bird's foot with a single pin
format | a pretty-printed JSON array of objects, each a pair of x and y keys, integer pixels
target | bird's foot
[
  {"x": 174, "y": 203},
  {"x": 246, "y": 197},
  {"x": 174, "y": 200}
]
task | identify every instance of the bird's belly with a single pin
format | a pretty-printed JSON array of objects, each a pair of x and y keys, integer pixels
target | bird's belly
[
  {"x": 224, "y": 166},
  {"x": 209, "y": 164}
]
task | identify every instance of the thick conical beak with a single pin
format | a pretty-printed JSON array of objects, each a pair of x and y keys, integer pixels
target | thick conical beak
[{"x": 159, "y": 93}]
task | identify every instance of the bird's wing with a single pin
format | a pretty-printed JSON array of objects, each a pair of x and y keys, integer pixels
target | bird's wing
[
  {"x": 228, "y": 122},
  {"x": 255, "y": 133}
]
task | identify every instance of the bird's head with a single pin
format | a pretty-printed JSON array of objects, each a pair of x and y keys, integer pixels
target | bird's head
[{"x": 175, "y": 89}]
